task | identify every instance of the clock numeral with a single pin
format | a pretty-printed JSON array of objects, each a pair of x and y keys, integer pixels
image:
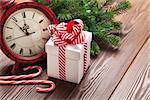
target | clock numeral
[
  {"x": 13, "y": 46},
  {"x": 9, "y": 27},
  {"x": 23, "y": 14},
  {"x": 30, "y": 51},
  {"x": 41, "y": 21},
  {"x": 9, "y": 37},
  {"x": 13, "y": 18},
  {"x": 33, "y": 15},
  {"x": 21, "y": 51},
  {"x": 45, "y": 29}
]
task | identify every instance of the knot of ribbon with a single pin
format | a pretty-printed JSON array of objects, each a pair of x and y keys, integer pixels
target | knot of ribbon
[{"x": 67, "y": 33}]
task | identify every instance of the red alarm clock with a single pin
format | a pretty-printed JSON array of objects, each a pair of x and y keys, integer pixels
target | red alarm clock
[{"x": 23, "y": 32}]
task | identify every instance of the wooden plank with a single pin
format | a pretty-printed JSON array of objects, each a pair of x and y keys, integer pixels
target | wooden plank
[
  {"x": 105, "y": 73},
  {"x": 28, "y": 92},
  {"x": 136, "y": 83},
  {"x": 103, "y": 77},
  {"x": 5, "y": 63}
]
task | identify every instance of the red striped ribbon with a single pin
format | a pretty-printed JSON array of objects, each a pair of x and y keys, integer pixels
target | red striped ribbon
[{"x": 67, "y": 33}]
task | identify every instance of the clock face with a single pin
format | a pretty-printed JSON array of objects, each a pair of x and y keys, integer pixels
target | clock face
[{"x": 25, "y": 32}]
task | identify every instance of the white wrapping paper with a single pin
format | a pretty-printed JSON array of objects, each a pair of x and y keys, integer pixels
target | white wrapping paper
[{"x": 74, "y": 60}]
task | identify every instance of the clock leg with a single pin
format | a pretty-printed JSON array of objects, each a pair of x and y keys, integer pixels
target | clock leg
[{"x": 15, "y": 68}]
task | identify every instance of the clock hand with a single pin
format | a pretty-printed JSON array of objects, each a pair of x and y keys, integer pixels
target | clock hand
[
  {"x": 24, "y": 29},
  {"x": 25, "y": 25},
  {"x": 31, "y": 33},
  {"x": 17, "y": 38},
  {"x": 26, "y": 32},
  {"x": 24, "y": 22},
  {"x": 20, "y": 28},
  {"x": 21, "y": 36}
]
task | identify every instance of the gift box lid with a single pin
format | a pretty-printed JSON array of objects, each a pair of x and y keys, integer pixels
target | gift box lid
[{"x": 72, "y": 51}]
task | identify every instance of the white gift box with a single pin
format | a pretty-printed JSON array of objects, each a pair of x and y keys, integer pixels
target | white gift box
[{"x": 74, "y": 67}]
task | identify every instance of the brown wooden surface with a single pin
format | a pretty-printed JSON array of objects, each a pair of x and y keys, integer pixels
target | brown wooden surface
[
  {"x": 109, "y": 70},
  {"x": 135, "y": 85},
  {"x": 103, "y": 77}
]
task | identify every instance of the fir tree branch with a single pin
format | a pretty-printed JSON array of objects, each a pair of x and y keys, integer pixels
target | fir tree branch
[{"x": 98, "y": 18}]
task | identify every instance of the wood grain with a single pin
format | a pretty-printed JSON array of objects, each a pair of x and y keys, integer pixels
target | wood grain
[
  {"x": 136, "y": 83},
  {"x": 103, "y": 77},
  {"x": 28, "y": 92},
  {"x": 106, "y": 71},
  {"x": 5, "y": 63}
]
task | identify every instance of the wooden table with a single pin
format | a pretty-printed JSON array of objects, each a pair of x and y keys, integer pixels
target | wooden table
[{"x": 122, "y": 75}]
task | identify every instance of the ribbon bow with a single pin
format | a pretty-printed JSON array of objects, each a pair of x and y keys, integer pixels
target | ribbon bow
[{"x": 67, "y": 33}]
